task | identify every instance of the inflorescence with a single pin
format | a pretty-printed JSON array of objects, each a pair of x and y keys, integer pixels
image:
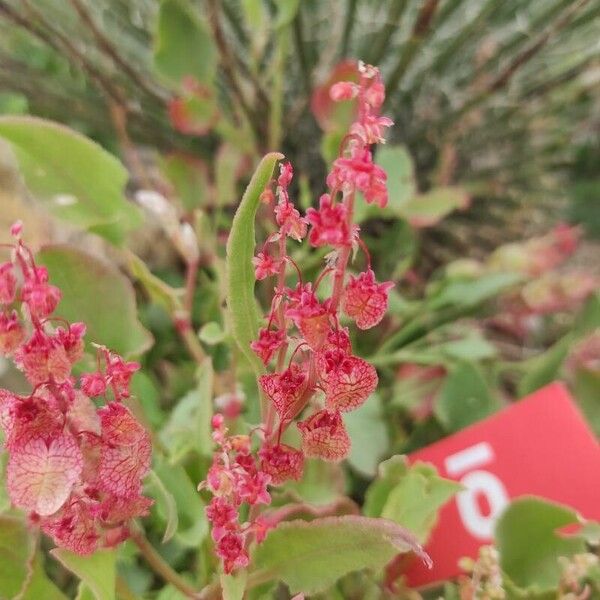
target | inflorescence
[
  {"x": 76, "y": 468},
  {"x": 321, "y": 372}
]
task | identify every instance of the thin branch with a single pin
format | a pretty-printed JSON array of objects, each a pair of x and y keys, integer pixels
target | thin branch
[
  {"x": 109, "y": 49},
  {"x": 507, "y": 73},
  {"x": 301, "y": 52},
  {"x": 420, "y": 31},
  {"x": 384, "y": 35},
  {"x": 349, "y": 21},
  {"x": 160, "y": 566},
  {"x": 55, "y": 35},
  {"x": 227, "y": 61}
]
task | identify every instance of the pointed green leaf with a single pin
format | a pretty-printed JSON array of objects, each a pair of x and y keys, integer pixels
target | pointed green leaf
[
  {"x": 311, "y": 556},
  {"x": 75, "y": 178},
  {"x": 192, "y": 526},
  {"x": 96, "y": 293},
  {"x": 97, "y": 571},
  {"x": 240, "y": 272},
  {"x": 409, "y": 495},
  {"x": 164, "y": 498}
]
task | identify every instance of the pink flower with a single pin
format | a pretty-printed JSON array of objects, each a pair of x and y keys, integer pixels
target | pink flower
[
  {"x": 343, "y": 90},
  {"x": 72, "y": 341},
  {"x": 360, "y": 172},
  {"x": 223, "y": 517},
  {"x": 43, "y": 358},
  {"x": 347, "y": 380},
  {"x": 119, "y": 373},
  {"x": 268, "y": 342},
  {"x": 93, "y": 384},
  {"x": 329, "y": 224},
  {"x": 286, "y": 173},
  {"x": 309, "y": 315},
  {"x": 324, "y": 436},
  {"x": 230, "y": 549},
  {"x": 290, "y": 221},
  {"x": 285, "y": 390},
  {"x": 12, "y": 333},
  {"x": 41, "y": 297},
  {"x": 8, "y": 283},
  {"x": 281, "y": 462},
  {"x": 365, "y": 300},
  {"x": 265, "y": 265},
  {"x": 125, "y": 453}
]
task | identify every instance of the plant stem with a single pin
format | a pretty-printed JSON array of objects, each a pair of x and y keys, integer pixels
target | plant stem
[{"x": 160, "y": 566}]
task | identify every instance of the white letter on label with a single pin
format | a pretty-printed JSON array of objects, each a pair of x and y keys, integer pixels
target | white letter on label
[
  {"x": 484, "y": 483},
  {"x": 477, "y": 483}
]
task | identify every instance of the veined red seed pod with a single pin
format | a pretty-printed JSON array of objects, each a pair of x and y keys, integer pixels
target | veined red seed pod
[
  {"x": 281, "y": 462},
  {"x": 324, "y": 436}
]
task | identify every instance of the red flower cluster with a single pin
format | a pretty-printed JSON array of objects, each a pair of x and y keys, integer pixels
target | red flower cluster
[
  {"x": 77, "y": 469},
  {"x": 234, "y": 479},
  {"x": 322, "y": 371}
]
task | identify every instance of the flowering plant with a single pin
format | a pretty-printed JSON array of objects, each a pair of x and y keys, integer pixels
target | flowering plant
[{"x": 284, "y": 415}]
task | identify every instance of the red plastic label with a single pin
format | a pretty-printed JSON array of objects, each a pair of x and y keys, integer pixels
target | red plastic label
[{"x": 538, "y": 446}]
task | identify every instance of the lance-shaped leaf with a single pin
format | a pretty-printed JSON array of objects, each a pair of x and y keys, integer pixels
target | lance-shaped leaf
[
  {"x": 40, "y": 476},
  {"x": 74, "y": 177},
  {"x": 240, "y": 271},
  {"x": 311, "y": 556},
  {"x": 96, "y": 293}
]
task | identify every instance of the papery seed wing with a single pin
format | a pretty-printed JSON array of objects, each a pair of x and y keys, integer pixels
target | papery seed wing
[{"x": 40, "y": 476}]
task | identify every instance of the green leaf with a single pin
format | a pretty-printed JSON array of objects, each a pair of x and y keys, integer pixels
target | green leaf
[
  {"x": 311, "y": 556},
  {"x": 165, "y": 499},
  {"x": 473, "y": 347},
  {"x": 74, "y": 177},
  {"x": 465, "y": 398},
  {"x": 286, "y": 12},
  {"x": 586, "y": 386},
  {"x": 192, "y": 526},
  {"x": 409, "y": 495},
  {"x": 398, "y": 164},
  {"x": 470, "y": 293},
  {"x": 183, "y": 45},
  {"x": 189, "y": 178},
  {"x": 159, "y": 292},
  {"x": 96, "y": 293},
  {"x": 39, "y": 585},
  {"x": 369, "y": 436},
  {"x": 544, "y": 368},
  {"x": 97, "y": 571},
  {"x": 240, "y": 272},
  {"x": 529, "y": 544},
  {"x": 15, "y": 550},
  {"x": 188, "y": 427},
  {"x": 234, "y": 585},
  {"x": 430, "y": 208}
]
